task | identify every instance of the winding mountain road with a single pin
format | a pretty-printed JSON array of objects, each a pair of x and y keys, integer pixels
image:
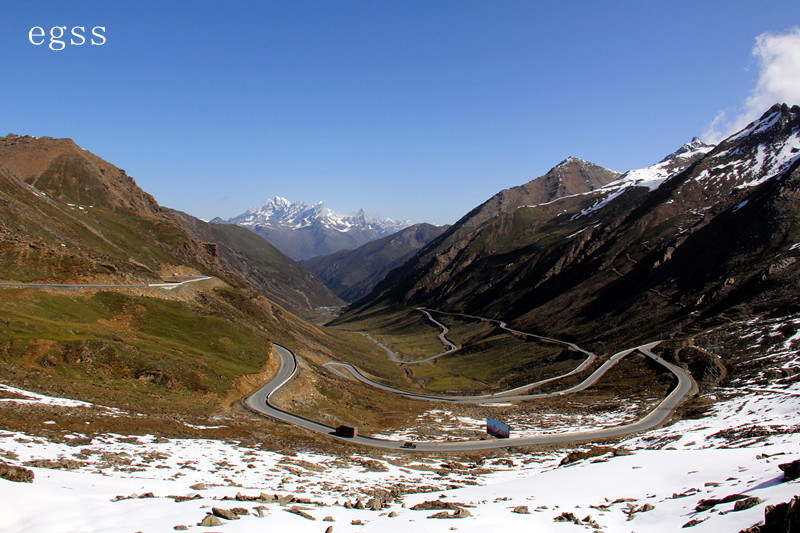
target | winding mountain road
[
  {"x": 261, "y": 402},
  {"x": 169, "y": 285}
]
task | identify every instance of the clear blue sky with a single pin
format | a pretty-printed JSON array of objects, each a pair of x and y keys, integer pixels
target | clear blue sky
[{"x": 418, "y": 110}]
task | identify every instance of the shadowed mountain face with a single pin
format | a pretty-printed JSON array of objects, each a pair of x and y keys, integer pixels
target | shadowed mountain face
[
  {"x": 351, "y": 274},
  {"x": 708, "y": 232},
  {"x": 427, "y": 268}
]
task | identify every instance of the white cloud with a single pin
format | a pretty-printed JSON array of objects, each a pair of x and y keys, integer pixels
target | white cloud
[{"x": 778, "y": 56}]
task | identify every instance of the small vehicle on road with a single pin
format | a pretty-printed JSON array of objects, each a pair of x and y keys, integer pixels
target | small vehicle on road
[
  {"x": 408, "y": 445},
  {"x": 345, "y": 431}
]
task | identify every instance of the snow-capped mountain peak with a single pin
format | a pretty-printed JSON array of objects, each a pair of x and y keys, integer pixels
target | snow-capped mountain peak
[
  {"x": 281, "y": 216},
  {"x": 689, "y": 149},
  {"x": 765, "y": 149},
  {"x": 654, "y": 175}
]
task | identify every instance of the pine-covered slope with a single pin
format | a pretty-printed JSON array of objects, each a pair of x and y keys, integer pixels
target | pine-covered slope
[
  {"x": 714, "y": 235},
  {"x": 351, "y": 274}
]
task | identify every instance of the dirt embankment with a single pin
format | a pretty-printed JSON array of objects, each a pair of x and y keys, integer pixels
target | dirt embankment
[{"x": 246, "y": 384}]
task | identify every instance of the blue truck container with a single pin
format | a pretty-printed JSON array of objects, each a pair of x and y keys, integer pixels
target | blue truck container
[{"x": 497, "y": 429}]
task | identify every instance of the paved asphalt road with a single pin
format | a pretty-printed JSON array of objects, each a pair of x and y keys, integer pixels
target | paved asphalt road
[
  {"x": 261, "y": 402},
  {"x": 75, "y": 286}
]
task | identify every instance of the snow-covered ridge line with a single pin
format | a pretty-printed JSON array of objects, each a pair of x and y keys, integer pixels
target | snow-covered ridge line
[
  {"x": 653, "y": 176},
  {"x": 279, "y": 211}
]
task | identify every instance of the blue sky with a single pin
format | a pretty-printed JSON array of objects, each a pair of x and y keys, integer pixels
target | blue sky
[{"x": 418, "y": 110}]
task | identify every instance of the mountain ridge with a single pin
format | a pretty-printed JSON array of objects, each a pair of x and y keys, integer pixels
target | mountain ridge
[
  {"x": 302, "y": 231},
  {"x": 599, "y": 261},
  {"x": 351, "y": 274}
]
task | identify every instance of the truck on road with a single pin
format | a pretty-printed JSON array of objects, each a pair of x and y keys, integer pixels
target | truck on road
[{"x": 345, "y": 431}]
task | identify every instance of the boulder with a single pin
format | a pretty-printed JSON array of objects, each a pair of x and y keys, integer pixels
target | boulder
[
  {"x": 210, "y": 521},
  {"x": 747, "y": 503},
  {"x": 433, "y": 505},
  {"x": 224, "y": 513},
  {"x": 783, "y": 517},
  {"x": 458, "y": 513},
  {"x": 299, "y": 512},
  {"x": 791, "y": 470}
]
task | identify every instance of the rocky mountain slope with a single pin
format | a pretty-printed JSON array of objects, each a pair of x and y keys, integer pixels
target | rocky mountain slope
[
  {"x": 166, "y": 349},
  {"x": 351, "y": 274},
  {"x": 270, "y": 272},
  {"x": 302, "y": 231},
  {"x": 709, "y": 232}
]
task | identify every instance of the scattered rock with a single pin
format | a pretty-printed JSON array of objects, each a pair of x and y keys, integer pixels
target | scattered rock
[
  {"x": 329, "y": 519},
  {"x": 705, "y": 505},
  {"x": 299, "y": 512},
  {"x": 60, "y": 464},
  {"x": 458, "y": 513},
  {"x": 693, "y": 522},
  {"x": 181, "y": 499},
  {"x": 594, "y": 451},
  {"x": 747, "y": 503},
  {"x": 434, "y": 505},
  {"x": 329, "y": 529},
  {"x": 791, "y": 470},
  {"x": 210, "y": 521},
  {"x": 392, "y": 514},
  {"x": 521, "y": 509},
  {"x": 375, "y": 504},
  {"x": 371, "y": 465},
  {"x": 356, "y": 523},
  {"x": 180, "y": 528},
  {"x": 224, "y": 513},
  {"x": 567, "y": 517},
  {"x": 285, "y": 500},
  {"x": 198, "y": 486},
  {"x": 15, "y": 473}
]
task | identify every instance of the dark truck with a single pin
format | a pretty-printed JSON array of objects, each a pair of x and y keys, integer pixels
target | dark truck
[{"x": 345, "y": 431}]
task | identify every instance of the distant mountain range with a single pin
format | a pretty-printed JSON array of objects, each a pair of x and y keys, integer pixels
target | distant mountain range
[
  {"x": 586, "y": 252},
  {"x": 302, "y": 231}
]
